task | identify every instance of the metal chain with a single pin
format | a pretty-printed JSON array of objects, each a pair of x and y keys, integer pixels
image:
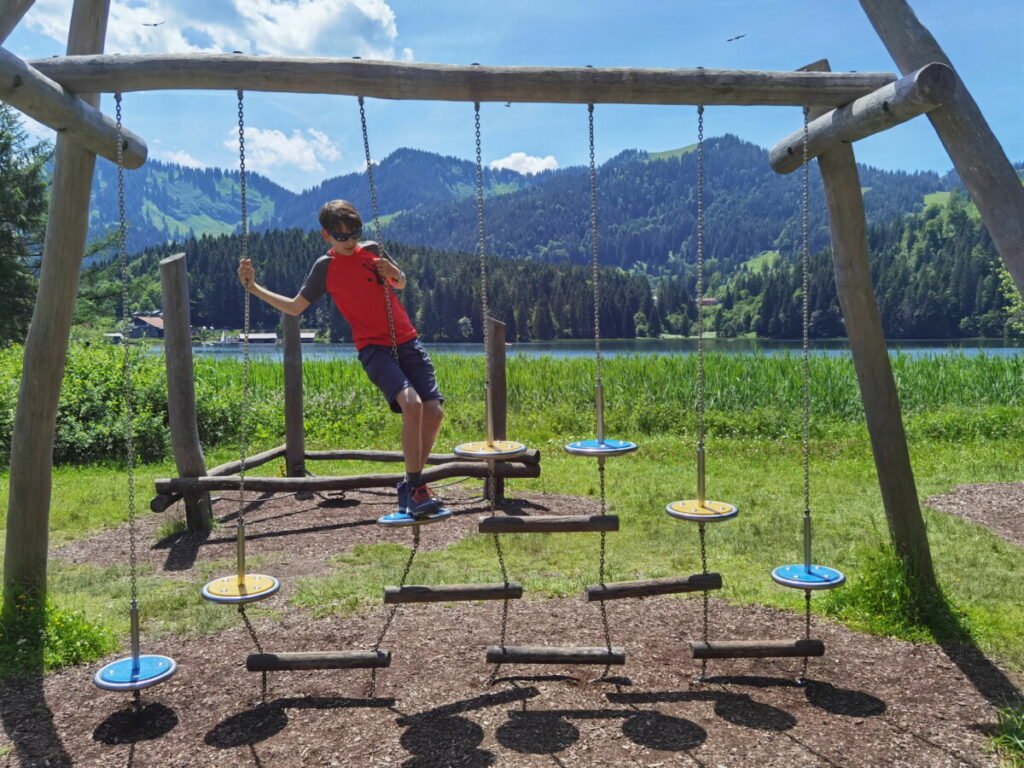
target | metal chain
[
  {"x": 806, "y": 262},
  {"x": 700, "y": 274},
  {"x": 704, "y": 597},
  {"x": 482, "y": 240},
  {"x": 802, "y": 678},
  {"x": 394, "y": 609},
  {"x": 243, "y": 439},
  {"x": 378, "y": 227},
  {"x": 126, "y": 369},
  {"x": 259, "y": 647},
  {"x": 595, "y": 265}
]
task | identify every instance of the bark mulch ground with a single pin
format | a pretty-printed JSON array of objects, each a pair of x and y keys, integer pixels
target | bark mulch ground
[{"x": 869, "y": 702}]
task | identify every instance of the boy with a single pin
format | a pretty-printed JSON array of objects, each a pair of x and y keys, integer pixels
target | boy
[{"x": 355, "y": 274}]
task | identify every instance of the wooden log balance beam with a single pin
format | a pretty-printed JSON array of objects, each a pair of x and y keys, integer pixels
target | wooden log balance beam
[
  {"x": 756, "y": 649},
  {"x": 921, "y": 91},
  {"x": 416, "y": 593},
  {"x": 548, "y": 523},
  {"x": 163, "y": 500},
  {"x": 39, "y": 97},
  {"x": 443, "y": 82},
  {"x": 699, "y": 582},
  {"x": 347, "y": 483},
  {"x": 542, "y": 654},
  {"x": 288, "y": 662}
]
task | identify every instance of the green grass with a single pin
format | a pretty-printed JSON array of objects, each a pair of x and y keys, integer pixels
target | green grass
[
  {"x": 670, "y": 153},
  {"x": 762, "y": 261},
  {"x": 1008, "y": 741}
]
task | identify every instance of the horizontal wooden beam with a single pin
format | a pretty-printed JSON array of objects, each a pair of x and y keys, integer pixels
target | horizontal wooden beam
[
  {"x": 42, "y": 99},
  {"x": 532, "y": 456},
  {"x": 542, "y": 654},
  {"x": 443, "y": 82},
  {"x": 919, "y": 92},
  {"x": 548, "y": 523},
  {"x": 251, "y": 462},
  {"x": 416, "y": 593},
  {"x": 345, "y": 483},
  {"x": 699, "y": 582},
  {"x": 288, "y": 662},
  {"x": 756, "y": 649}
]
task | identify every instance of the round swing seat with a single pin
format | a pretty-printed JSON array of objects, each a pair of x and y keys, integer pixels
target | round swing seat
[
  {"x": 595, "y": 447},
  {"x": 135, "y": 674},
  {"x": 709, "y": 512},
  {"x": 252, "y": 588},
  {"x": 801, "y": 576},
  {"x": 399, "y": 519},
  {"x": 482, "y": 450}
]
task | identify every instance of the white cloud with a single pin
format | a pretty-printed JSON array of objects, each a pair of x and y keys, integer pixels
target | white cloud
[
  {"x": 181, "y": 158},
  {"x": 36, "y": 129},
  {"x": 270, "y": 148},
  {"x": 365, "y": 28},
  {"x": 524, "y": 163}
]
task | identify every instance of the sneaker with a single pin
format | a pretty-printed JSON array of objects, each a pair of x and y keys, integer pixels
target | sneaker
[
  {"x": 423, "y": 502},
  {"x": 404, "y": 507}
]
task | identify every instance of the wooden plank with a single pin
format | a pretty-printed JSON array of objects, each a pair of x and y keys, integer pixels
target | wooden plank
[
  {"x": 287, "y": 484},
  {"x": 11, "y": 12},
  {"x": 31, "y": 466},
  {"x": 892, "y": 104},
  {"x": 532, "y": 456},
  {"x": 755, "y": 649},
  {"x": 417, "y": 593},
  {"x": 541, "y": 654},
  {"x": 300, "y": 660},
  {"x": 294, "y": 424},
  {"x": 443, "y": 82},
  {"x": 44, "y": 100},
  {"x": 548, "y": 523},
  {"x": 698, "y": 582},
  {"x": 978, "y": 157},
  {"x": 256, "y": 460},
  {"x": 181, "y": 388}
]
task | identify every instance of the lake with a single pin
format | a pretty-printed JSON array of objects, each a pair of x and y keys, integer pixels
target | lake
[{"x": 614, "y": 347}]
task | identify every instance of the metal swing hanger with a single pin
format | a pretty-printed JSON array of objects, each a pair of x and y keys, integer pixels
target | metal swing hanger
[
  {"x": 139, "y": 670},
  {"x": 242, "y": 587}
]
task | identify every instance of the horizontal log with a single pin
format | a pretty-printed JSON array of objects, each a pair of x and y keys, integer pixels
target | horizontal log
[
  {"x": 541, "y": 654},
  {"x": 163, "y": 501},
  {"x": 250, "y": 462},
  {"x": 699, "y": 582},
  {"x": 42, "y": 99},
  {"x": 443, "y": 82},
  {"x": 346, "y": 483},
  {"x": 892, "y": 104},
  {"x": 417, "y": 593},
  {"x": 287, "y": 662},
  {"x": 756, "y": 649},
  {"x": 548, "y": 523},
  {"x": 532, "y": 456}
]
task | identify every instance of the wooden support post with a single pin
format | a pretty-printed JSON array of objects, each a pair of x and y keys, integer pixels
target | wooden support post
[
  {"x": 542, "y": 654},
  {"x": 975, "y": 151},
  {"x": 548, "y": 524},
  {"x": 756, "y": 649},
  {"x": 863, "y": 321},
  {"x": 294, "y": 426},
  {"x": 699, "y": 582},
  {"x": 181, "y": 389},
  {"x": 494, "y": 488},
  {"x": 288, "y": 662},
  {"x": 31, "y": 470},
  {"x": 447, "y": 593},
  {"x": 11, "y": 12},
  {"x": 890, "y": 105}
]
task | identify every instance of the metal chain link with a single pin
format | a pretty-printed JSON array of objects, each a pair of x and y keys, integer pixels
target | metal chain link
[
  {"x": 243, "y": 439},
  {"x": 700, "y": 274},
  {"x": 704, "y": 597},
  {"x": 806, "y": 262},
  {"x": 595, "y": 265},
  {"x": 126, "y": 369},
  {"x": 482, "y": 240},
  {"x": 394, "y": 609},
  {"x": 259, "y": 648},
  {"x": 378, "y": 227}
]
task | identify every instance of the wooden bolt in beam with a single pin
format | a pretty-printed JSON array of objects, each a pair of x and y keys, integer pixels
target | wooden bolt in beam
[
  {"x": 698, "y": 582},
  {"x": 446, "y": 593},
  {"x": 548, "y": 523},
  {"x": 442, "y": 82},
  {"x": 892, "y": 104},
  {"x": 756, "y": 649},
  {"x": 44, "y": 100},
  {"x": 287, "y": 662},
  {"x": 542, "y": 654}
]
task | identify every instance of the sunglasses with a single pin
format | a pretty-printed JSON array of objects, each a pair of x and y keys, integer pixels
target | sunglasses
[{"x": 341, "y": 237}]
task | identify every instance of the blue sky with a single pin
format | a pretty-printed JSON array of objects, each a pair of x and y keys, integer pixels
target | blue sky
[{"x": 299, "y": 140}]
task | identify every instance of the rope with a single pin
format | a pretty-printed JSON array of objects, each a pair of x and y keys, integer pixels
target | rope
[{"x": 377, "y": 226}]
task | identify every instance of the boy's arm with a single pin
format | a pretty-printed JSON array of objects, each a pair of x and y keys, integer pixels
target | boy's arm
[
  {"x": 385, "y": 266},
  {"x": 247, "y": 277}
]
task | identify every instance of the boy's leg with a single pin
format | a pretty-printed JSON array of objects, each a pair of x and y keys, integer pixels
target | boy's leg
[
  {"x": 412, "y": 430},
  {"x": 433, "y": 415}
]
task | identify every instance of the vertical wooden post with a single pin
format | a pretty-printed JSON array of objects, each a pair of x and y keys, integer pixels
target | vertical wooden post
[
  {"x": 495, "y": 488},
  {"x": 28, "y": 514},
  {"x": 181, "y": 390},
  {"x": 294, "y": 428},
  {"x": 848, "y": 226},
  {"x": 976, "y": 153}
]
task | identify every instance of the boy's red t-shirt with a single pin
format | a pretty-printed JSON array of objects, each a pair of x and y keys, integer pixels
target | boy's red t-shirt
[{"x": 358, "y": 292}]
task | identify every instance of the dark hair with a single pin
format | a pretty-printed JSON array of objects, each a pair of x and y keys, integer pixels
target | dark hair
[{"x": 338, "y": 212}]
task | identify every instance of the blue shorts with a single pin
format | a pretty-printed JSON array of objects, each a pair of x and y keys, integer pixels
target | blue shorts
[{"x": 413, "y": 369}]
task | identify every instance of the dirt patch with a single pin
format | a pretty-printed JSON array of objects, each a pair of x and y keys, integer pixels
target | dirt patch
[
  {"x": 869, "y": 702},
  {"x": 997, "y": 506}
]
